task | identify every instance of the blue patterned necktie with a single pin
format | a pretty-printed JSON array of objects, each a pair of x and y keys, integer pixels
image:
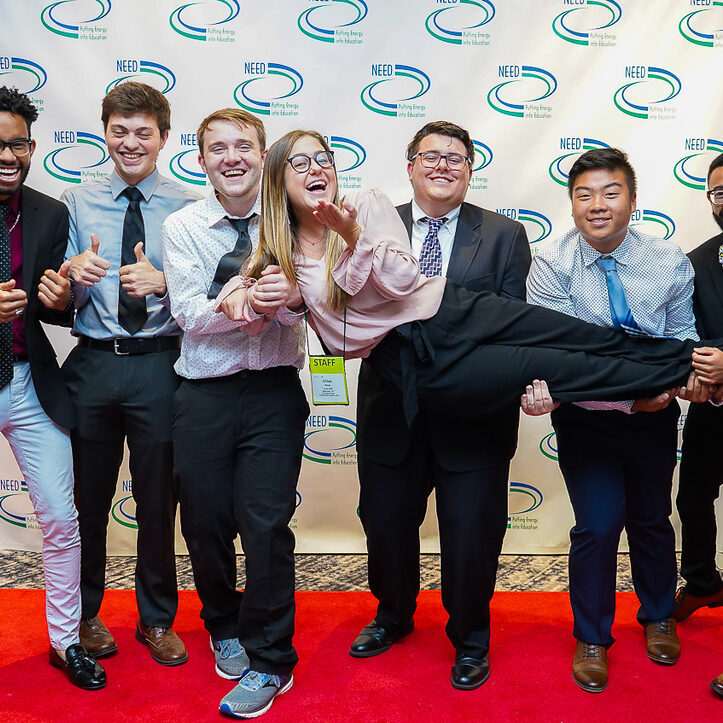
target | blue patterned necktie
[
  {"x": 430, "y": 259},
  {"x": 620, "y": 313},
  {"x": 6, "y": 328}
]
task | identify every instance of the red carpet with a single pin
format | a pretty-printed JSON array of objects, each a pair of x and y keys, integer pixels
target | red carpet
[{"x": 531, "y": 656}]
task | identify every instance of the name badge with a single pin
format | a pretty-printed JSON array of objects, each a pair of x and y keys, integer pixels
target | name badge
[{"x": 328, "y": 380}]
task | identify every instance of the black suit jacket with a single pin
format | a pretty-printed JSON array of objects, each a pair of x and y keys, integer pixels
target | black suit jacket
[
  {"x": 45, "y": 235},
  {"x": 708, "y": 293},
  {"x": 490, "y": 253}
]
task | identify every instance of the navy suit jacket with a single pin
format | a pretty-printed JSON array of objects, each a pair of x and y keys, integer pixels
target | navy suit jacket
[
  {"x": 490, "y": 253},
  {"x": 45, "y": 235}
]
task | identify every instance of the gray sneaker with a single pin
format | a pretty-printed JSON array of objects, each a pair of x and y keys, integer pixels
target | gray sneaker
[
  {"x": 254, "y": 694},
  {"x": 231, "y": 658}
]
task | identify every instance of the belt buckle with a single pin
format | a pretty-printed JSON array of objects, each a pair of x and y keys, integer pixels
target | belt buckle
[{"x": 116, "y": 348}]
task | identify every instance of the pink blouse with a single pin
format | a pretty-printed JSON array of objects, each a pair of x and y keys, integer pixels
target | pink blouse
[{"x": 382, "y": 276}]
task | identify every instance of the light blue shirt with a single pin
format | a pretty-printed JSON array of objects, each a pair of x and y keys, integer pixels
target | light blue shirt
[{"x": 99, "y": 207}]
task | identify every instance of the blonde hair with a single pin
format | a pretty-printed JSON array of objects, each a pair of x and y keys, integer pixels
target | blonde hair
[{"x": 278, "y": 239}]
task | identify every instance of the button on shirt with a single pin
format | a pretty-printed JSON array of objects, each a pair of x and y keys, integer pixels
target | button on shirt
[
  {"x": 445, "y": 234},
  {"x": 656, "y": 275},
  {"x": 194, "y": 239},
  {"x": 99, "y": 207}
]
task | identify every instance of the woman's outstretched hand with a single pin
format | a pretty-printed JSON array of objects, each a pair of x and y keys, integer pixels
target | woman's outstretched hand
[{"x": 342, "y": 220}]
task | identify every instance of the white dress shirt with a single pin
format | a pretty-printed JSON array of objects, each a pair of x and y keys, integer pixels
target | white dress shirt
[{"x": 194, "y": 239}]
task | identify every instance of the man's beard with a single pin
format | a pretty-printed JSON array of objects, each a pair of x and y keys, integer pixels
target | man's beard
[{"x": 718, "y": 218}]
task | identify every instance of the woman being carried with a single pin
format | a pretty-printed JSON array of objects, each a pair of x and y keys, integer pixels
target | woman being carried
[{"x": 443, "y": 345}]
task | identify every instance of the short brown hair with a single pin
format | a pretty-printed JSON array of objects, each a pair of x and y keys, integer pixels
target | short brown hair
[
  {"x": 129, "y": 98},
  {"x": 235, "y": 116},
  {"x": 443, "y": 128}
]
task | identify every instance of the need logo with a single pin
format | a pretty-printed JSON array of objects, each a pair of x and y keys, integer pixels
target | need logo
[
  {"x": 704, "y": 27},
  {"x": 16, "y": 509},
  {"x": 184, "y": 165},
  {"x": 349, "y": 155},
  {"x": 461, "y": 22},
  {"x": 334, "y": 21},
  {"x": 647, "y": 97},
  {"x": 124, "y": 510},
  {"x": 692, "y": 169},
  {"x": 397, "y": 90},
  {"x": 191, "y": 20},
  {"x": 523, "y": 499},
  {"x": 588, "y": 22},
  {"x": 264, "y": 93},
  {"x": 146, "y": 70},
  {"x": 77, "y": 157},
  {"x": 68, "y": 19},
  {"x": 520, "y": 96},
  {"x": 538, "y": 226},
  {"x": 330, "y": 440},
  {"x": 482, "y": 159},
  {"x": 652, "y": 222},
  {"x": 558, "y": 170}
]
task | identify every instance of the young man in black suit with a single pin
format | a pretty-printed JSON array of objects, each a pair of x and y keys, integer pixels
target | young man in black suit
[
  {"x": 465, "y": 458},
  {"x": 701, "y": 469},
  {"x": 35, "y": 409}
]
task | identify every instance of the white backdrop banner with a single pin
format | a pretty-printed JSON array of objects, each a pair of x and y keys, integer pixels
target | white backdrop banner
[{"x": 536, "y": 83}]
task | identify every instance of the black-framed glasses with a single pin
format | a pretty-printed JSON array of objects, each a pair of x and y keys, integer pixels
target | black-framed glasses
[
  {"x": 302, "y": 163},
  {"x": 715, "y": 195},
  {"x": 431, "y": 159},
  {"x": 19, "y": 146}
]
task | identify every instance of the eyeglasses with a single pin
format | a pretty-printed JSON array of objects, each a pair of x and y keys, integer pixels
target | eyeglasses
[
  {"x": 302, "y": 163},
  {"x": 431, "y": 159},
  {"x": 715, "y": 195},
  {"x": 19, "y": 146}
]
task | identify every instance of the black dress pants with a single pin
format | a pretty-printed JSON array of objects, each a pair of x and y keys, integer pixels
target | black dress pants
[
  {"x": 118, "y": 398},
  {"x": 238, "y": 442},
  {"x": 482, "y": 350},
  {"x": 701, "y": 475}
]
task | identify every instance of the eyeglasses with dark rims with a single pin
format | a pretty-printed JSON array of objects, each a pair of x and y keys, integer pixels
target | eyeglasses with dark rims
[
  {"x": 431, "y": 159},
  {"x": 302, "y": 163},
  {"x": 19, "y": 146}
]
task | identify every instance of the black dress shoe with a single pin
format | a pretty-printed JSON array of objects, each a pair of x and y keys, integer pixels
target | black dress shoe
[
  {"x": 79, "y": 667},
  {"x": 469, "y": 673},
  {"x": 375, "y": 639}
]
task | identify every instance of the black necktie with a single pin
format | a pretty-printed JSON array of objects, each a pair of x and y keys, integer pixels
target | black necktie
[
  {"x": 132, "y": 313},
  {"x": 6, "y": 328},
  {"x": 231, "y": 263}
]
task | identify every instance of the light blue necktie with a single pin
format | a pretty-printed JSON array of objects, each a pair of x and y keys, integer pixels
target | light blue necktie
[
  {"x": 620, "y": 312},
  {"x": 430, "y": 258}
]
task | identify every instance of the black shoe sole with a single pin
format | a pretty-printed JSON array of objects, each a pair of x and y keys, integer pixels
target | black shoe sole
[{"x": 370, "y": 653}]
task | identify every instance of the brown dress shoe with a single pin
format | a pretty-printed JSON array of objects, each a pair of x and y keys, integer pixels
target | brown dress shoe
[
  {"x": 717, "y": 684},
  {"x": 96, "y": 639},
  {"x": 590, "y": 667},
  {"x": 686, "y": 604},
  {"x": 663, "y": 643},
  {"x": 164, "y": 645}
]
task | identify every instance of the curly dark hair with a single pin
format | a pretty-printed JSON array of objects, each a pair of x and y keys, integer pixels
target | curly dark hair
[{"x": 13, "y": 101}]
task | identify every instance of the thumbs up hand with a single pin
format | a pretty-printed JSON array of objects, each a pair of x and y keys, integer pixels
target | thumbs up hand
[
  {"x": 88, "y": 268},
  {"x": 54, "y": 287},
  {"x": 12, "y": 301},
  {"x": 142, "y": 278}
]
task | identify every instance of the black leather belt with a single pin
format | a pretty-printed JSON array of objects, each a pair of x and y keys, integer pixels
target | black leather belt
[{"x": 127, "y": 346}]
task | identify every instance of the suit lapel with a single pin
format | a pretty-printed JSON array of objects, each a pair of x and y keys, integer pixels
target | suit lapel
[
  {"x": 405, "y": 213},
  {"x": 715, "y": 271},
  {"x": 467, "y": 239},
  {"x": 31, "y": 228}
]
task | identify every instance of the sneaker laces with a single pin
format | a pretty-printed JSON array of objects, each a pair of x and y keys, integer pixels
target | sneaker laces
[
  {"x": 226, "y": 648},
  {"x": 253, "y": 680}
]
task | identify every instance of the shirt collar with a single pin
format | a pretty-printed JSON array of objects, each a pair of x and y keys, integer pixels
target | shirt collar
[
  {"x": 621, "y": 254},
  {"x": 216, "y": 212},
  {"x": 147, "y": 186},
  {"x": 418, "y": 214}
]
